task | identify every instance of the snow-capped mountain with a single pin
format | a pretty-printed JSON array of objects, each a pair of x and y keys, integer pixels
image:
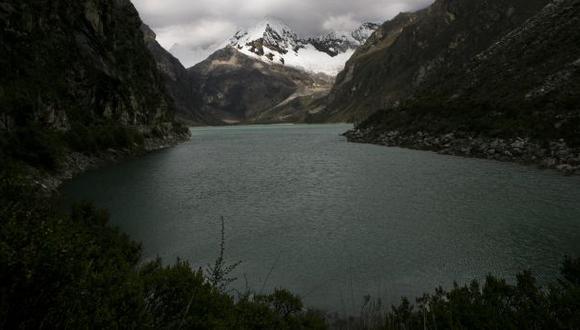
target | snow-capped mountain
[
  {"x": 269, "y": 74},
  {"x": 336, "y": 43},
  {"x": 272, "y": 41}
]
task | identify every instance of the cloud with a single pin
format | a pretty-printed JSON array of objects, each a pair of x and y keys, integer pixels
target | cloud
[
  {"x": 196, "y": 26},
  {"x": 341, "y": 23},
  {"x": 198, "y": 33}
]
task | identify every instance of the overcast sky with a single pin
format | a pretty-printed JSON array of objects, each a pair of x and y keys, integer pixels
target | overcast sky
[{"x": 198, "y": 26}]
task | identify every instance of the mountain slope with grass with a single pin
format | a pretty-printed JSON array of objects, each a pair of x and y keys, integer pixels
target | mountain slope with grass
[
  {"x": 516, "y": 100},
  {"x": 416, "y": 49}
]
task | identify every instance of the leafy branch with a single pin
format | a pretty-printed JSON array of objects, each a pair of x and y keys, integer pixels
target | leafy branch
[{"x": 219, "y": 274}]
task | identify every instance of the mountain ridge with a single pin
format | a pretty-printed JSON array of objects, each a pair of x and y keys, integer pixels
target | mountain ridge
[
  {"x": 238, "y": 88},
  {"x": 269, "y": 74},
  {"x": 273, "y": 41},
  {"x": 516, "y": 100},
  {"x": 413, "y": 48}
]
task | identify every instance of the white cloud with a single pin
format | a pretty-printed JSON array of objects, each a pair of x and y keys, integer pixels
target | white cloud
[
  {"x": 341, "y": 23},
  {"x": 190, "y": 55},
  {"x": 199, "y": 33}
]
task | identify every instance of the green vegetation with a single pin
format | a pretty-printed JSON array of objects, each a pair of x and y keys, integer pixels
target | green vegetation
[
  {"x": 439, "y": 76},
  {"x": 96, "y": 139},
  {"x": 45, "y": 149},
  {"x": 481, "y": 118},
  {"x": 31, "y": 145},
  {"x": 493, "y": 304}
]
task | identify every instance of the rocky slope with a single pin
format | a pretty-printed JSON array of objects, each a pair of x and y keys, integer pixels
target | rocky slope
[
  {"x": 416, "y": 48},
  {"x": 517, "y": 100},
  {"x": 238, "y": 88},
  {"x": 77, "y": 76},
  {"x": 335, "y": 43},
  {"x": 186, "y": 98}
]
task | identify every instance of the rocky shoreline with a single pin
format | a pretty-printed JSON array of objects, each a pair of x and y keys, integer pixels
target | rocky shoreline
[
  {"x": 551, "y": 155},
  {"x": 76, "y": 163}
]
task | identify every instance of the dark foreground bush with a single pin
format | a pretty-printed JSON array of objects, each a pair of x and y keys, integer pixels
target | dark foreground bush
[
  {"x": 496, "y": 304},
  {"x": 76, "y": 272},
  {"x": 493, "y": 304},
  {"x": 34, "y": 146}
]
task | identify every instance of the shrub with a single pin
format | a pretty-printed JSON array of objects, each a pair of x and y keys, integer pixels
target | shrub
[
  {"x": 33, "y": 145},
  {"x": 75, "y": 271},
  {"x": 95, "y": 139}
]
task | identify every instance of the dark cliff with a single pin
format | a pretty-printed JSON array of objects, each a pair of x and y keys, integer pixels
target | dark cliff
[
  {"x": 186, "y": 97},
  {"x": 414, "y": 49},
  {"x": 77, "y": 74},
  {"x": 518, "y": 99}
]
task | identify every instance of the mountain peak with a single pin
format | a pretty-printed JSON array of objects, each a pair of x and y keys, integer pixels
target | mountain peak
[
  {"x": 274, "y": 23},
  {"x": 335, "y": 43},
  {"x": 272, "y": 41},
  {"x": 266, "y": 28},
  {"x": 365, "y": 31}
]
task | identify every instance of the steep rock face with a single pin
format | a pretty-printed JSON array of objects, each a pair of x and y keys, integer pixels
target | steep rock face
[
  {"x": 239, "y": 88},
  {"x": 186, "y": 98},
  {"x": 77, "y": 77},
  {"x": 335, "y": 43},
  {"x": 413, "y": 48},
  {"x": 66, "y": 61},
  {"x": 519, "y": 99}
]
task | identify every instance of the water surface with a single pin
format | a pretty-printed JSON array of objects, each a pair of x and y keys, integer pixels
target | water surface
[{"x": 334, "y": 221}]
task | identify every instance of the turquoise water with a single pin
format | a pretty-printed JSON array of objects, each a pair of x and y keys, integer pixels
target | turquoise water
[{"x": 334, "y": 221}]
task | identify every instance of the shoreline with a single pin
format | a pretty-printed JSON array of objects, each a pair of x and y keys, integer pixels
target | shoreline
[
  {"x": 556, "y": 155},
  {"x": 77, "y": 163}
]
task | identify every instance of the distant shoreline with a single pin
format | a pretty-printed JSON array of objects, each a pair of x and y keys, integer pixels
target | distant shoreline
[{"x": 555, "y": 155}]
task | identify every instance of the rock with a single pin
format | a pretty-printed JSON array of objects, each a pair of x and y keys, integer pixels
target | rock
[
  {"x": 567, "y": 169},
  {"x": 574, "y": 161},
  {"x": 549, "y": 162},
  {"x": 519, "y": 144}
]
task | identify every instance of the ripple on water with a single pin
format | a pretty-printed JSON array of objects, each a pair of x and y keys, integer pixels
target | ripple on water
[{"x": 334, "y": 220}]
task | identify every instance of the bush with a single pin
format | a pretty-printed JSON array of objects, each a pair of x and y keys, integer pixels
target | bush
[
  {"x": 75, "y": 271},
  {"x": 33, "y": 145},
  {"x": 493, "y": 304},
  {"x": 95, "y": 139}
]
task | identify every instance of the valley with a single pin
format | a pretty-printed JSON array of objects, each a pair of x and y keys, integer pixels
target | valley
[
  {"x": 449, "y": 70},
  {"x": 265, "y": 74},
  {"x": 326, "y": 173}
]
